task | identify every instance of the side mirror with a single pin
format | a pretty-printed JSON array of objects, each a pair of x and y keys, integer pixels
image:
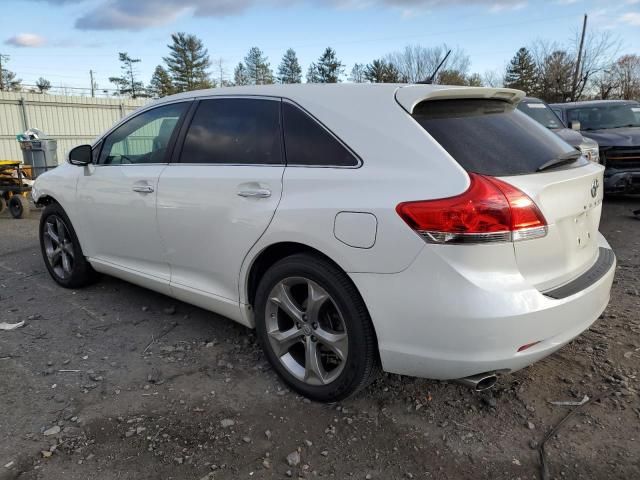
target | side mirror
[
  {"x": 575, "y": 125},
  {"x": 80, "y": 155}
]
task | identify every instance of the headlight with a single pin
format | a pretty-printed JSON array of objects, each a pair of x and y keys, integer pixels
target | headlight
[{"x": 592, "y": 153}]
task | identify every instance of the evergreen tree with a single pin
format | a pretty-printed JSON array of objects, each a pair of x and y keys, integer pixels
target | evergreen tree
[
  {"x": 127, "y": 83},
  {"x": 312, "y": 74},
  {"x": 522, "y": 73},
  {"x": 43, "y": 85},
  {"x": 8, "y": 80},
  {"x": 328, "y": 69},
  {"x": 160, "y": 84},
  {"x": 380, "y": 71},
  {"x": 240, "y": 76},
  {"x": 290, "y": 70},
  {"x": 357, "y": 73},
  {"x": 257, "y": 67},
  {"x": 188, "y": 62}
]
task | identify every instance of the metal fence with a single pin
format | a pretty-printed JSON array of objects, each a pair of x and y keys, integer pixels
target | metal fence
[{"x": 70, "y": 120}]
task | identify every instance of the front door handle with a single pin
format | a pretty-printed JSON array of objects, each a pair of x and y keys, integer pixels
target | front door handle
[
  {"x": 255, "y": 193},
  {"x": 143, "y": 188}
]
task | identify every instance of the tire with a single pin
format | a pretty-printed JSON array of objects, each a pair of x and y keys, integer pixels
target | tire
[
  {"x": 325, "y": 349},
  {"x": 3, "y": 204},
  {"x": 19, "y": 206},
  {"x": 67, "y": 265}
]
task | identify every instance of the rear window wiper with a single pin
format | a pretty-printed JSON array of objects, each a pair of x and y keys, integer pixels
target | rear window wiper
[{"x": 562, "y": 159}]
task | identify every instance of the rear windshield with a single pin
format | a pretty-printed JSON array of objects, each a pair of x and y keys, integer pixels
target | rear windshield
[{"x": 490, "y": 137}]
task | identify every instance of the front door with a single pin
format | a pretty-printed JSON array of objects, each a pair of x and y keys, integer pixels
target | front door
[
  {"x": 117, "y": 194},
  {"x": 219, "y": 197}
]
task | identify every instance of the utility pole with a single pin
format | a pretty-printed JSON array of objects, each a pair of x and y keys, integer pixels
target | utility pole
[
  {"x": 93, "y": 85},
  {"x": 577, "y": 72}
]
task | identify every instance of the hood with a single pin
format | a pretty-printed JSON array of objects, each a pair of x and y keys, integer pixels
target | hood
[
  {"x": 572, "y": 137},
  {"x": 615, "y": 137}
]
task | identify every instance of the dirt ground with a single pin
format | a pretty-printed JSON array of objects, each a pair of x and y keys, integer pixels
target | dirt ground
[{"x": 115, "y": 382}]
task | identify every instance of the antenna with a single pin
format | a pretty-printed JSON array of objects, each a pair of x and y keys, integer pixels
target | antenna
[{"x": 430, "y": 80}]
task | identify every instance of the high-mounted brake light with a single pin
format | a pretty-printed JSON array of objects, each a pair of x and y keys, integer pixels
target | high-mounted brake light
[{"x": 491, "y": 210}]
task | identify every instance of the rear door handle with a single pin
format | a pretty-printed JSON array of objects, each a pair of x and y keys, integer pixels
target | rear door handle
[
  {"x": 255, "y": 193},
  {"x": 143, "y": 188}
]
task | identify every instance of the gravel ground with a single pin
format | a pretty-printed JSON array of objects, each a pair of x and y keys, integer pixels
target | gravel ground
[{"x": 115, "y": 381}]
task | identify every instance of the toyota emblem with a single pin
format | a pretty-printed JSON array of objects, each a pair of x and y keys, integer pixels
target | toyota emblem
[{"x": 594, "y": 188}]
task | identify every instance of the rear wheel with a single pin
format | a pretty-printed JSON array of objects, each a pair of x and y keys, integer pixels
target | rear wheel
[
  {"x": 61, "y": 250},
  {"x": 315, "y": 328},
  {"x": 19, "y": 206}
]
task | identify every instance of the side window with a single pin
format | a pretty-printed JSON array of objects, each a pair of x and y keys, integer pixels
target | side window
[
  {"x": 308, "y": 143},
  {"x": 144, "y": 138},
  {"x": 236, "y": 131}
]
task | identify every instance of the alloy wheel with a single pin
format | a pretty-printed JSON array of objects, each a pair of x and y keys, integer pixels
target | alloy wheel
[
  {"x": 58, "y": 246},
  {"x": 306, "y": 331}
]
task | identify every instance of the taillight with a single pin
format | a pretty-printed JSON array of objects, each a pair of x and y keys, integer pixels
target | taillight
[{"x": 490, "y": 210}]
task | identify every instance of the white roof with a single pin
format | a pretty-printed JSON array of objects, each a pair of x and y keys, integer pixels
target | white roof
[{"x": 407, "y": 95}]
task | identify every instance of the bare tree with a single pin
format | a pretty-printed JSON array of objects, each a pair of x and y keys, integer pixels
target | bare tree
[
  {"x": 493, "y": 78},
  {"x": 416, "y": 63},
  {"x": 598, "y": 55}
]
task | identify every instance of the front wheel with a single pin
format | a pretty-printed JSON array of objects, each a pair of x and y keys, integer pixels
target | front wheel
[
  {"x": 315, "y": 329},
  {"x": 61, "y": 250}
]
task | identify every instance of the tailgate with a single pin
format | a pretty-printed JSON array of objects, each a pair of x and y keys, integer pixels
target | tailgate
[{"x": 571, "y": 201}]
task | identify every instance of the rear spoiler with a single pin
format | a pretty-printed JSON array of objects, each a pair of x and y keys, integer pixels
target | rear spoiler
[{"x": 410, "y": 96}]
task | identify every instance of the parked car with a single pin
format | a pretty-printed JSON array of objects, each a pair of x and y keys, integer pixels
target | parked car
[
  {"x": 615, "y": 125},
  {"x": 428, "y": 231},
  {"x": 542, "y": 113}
]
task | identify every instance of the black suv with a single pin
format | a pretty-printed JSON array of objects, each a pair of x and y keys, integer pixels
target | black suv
[{"x": 615, "y": 125}]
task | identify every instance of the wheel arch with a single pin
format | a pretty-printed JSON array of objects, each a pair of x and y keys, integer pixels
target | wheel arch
[{"x": 275, "y": 252}]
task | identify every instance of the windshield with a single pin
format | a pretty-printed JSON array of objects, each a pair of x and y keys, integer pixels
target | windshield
[
  {"x": 542, "y": 114},
  {"x": 606, "y": 116}
]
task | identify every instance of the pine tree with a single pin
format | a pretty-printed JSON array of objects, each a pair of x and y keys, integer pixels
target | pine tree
[
  {"x": 188, "y": 62},
  {"x": 240, "y": 76},
  {"x": 290, "y": 70},
  {"x": 329, "y": 68},
  {"x": 258, "y": 68},
  {"x": 160, "y": 84},
  {"x": 127, "y": 83},
  {"x": 380, "y": 71},
  {"x": 357, "y": 73},
  {"x": 312, "y": 74},
  {"x": 522, "y": 73}
]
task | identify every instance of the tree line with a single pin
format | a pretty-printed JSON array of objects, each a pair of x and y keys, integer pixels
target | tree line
[{"x": 546, "y": 70}]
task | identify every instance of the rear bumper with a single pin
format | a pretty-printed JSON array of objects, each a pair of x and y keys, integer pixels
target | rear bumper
[
  {"x": 617, "y": 181},
  {"x": 440, "y": 319}
]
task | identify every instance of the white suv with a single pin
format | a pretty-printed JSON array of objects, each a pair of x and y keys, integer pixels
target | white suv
[{"x": 428, "y": 231}]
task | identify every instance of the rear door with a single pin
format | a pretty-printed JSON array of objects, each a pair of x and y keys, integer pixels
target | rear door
[
  {"x": 220, "y": 194},
  {"x": 492, "y": 137}
]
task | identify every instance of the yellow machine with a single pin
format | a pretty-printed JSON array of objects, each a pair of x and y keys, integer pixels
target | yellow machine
[{"x": 15, "y": 186}]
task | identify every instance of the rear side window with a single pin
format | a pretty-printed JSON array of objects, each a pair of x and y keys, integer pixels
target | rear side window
[
  {"x": 309, "y": 143},
  {"x": 489, "y": 137},
  {"x": 236, "y": 131}
]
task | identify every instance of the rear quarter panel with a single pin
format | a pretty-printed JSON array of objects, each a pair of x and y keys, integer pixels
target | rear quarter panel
[{"x": 400, "y": 162}]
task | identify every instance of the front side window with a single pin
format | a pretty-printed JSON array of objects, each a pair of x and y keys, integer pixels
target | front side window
[
  {"x": 234, "y": 131},
  {"x": 308, "y": 143},
  {"x": 605, "y": 116},
  {"x": 144, "y": 138}
]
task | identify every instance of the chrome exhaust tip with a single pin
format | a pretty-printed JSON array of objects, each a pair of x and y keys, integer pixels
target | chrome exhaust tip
[{"x": 479, "y": 382}]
